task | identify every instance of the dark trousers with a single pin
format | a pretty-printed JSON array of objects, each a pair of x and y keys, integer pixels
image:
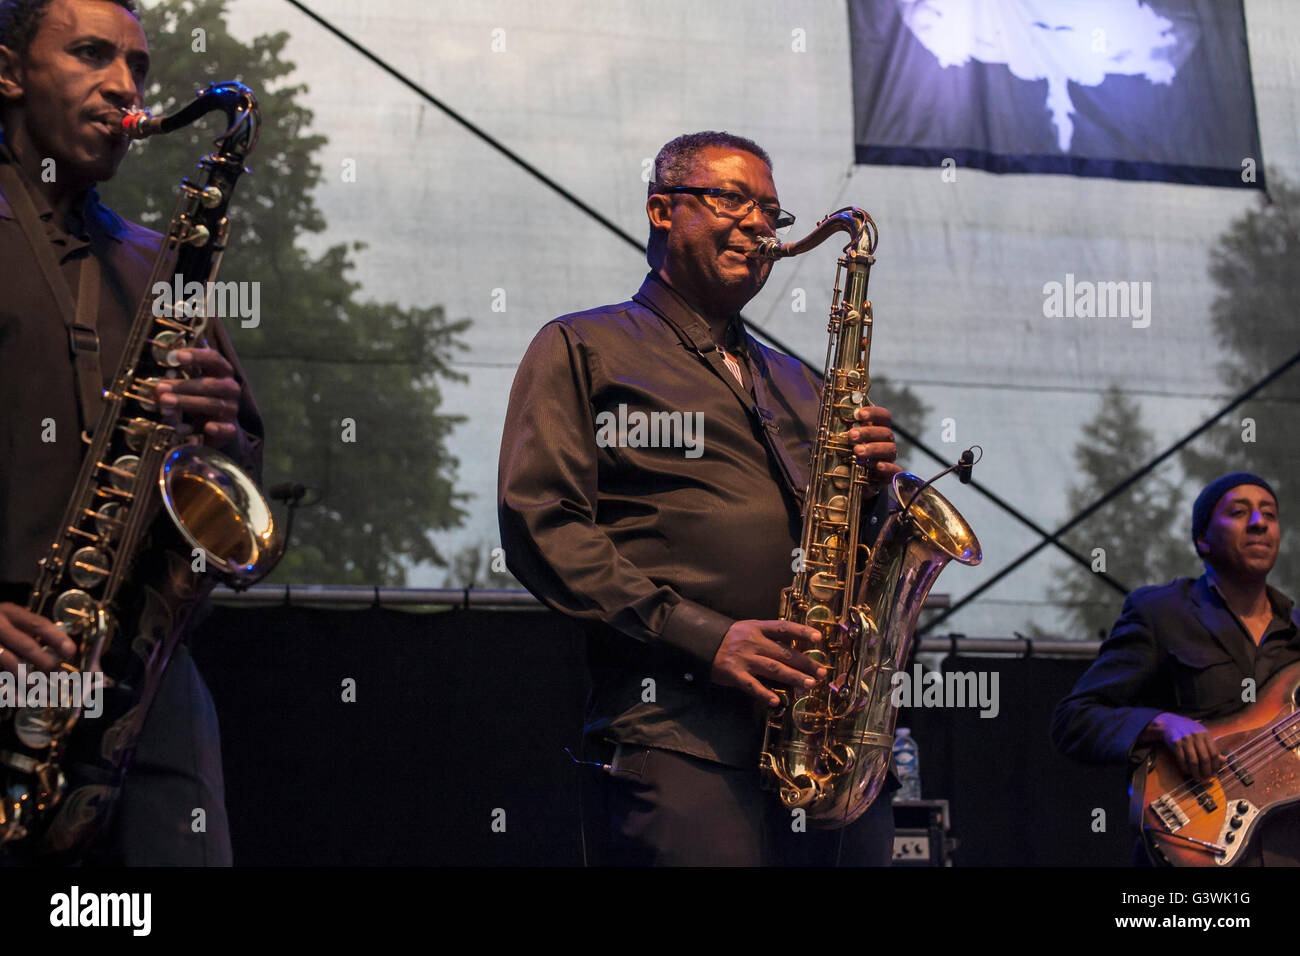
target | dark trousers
[
  {"x": 176, "y": 771},
  {"x": 661, "y": 808}
]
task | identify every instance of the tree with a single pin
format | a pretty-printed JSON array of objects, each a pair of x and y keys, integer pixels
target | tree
[
  {"x": 1139, "y": 537},
  {"x": 906, "y": 409},
  {"x": 1257, "y": 327},
  {"x": 349, "y": 390},
  {"x": 476, "y": 566}
]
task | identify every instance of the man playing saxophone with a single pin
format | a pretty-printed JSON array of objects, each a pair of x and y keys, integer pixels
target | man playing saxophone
[
  {"x": 649, "y": 487},
  {"x": 69, "y": 71}
]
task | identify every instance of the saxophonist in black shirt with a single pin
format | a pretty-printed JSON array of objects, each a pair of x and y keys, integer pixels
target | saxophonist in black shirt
[
  {"x": 69, "y": 72},
  {"x": 649, "y": 486}
]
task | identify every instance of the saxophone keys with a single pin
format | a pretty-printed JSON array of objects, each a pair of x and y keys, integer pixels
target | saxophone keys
[
  {"x": 820, "y": 617},
  {"x": 73, "y": 611},
  {"x": 108, "y": 519},
  {"x": 197, "y": 235},
  {"x": 800, "y": 793},
  {"x": 838, "y": 758},
  {"x": 839, "y": 478},
  {"x": 163, "y": 345},
  {"x": 89, "y": 567},
  {"x": 122, "y": 472},
  {"x": 135, "y": 433},
  {"x": 848, "y": 410},
  {"x": 824, "y": 587},
  {"x": 807, "y": 716},
  {"x": 837, "y": 509}
]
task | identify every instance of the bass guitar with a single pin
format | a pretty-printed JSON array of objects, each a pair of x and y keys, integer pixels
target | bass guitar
[{"x": 1188, "y": 822}]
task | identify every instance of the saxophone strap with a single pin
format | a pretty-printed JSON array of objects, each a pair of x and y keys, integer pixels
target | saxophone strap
[{"x": 81, "y": 318}]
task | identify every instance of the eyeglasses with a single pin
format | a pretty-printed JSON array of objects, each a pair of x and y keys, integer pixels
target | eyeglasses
[{"x": 728, "y": 202}]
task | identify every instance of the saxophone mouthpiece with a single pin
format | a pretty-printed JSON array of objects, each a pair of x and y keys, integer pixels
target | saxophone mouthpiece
[
  {"x": 139, "y": 124},
  {"x": 767, "y": 247}
]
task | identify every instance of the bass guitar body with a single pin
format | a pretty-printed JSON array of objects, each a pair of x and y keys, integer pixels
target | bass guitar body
[{"x": 1187, "y": 822}]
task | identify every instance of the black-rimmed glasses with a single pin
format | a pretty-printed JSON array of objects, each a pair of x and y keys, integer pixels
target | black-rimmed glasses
[{"x": 728, "y": 202}]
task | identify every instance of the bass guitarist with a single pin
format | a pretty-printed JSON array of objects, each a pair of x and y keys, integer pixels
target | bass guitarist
[{"x": 1192, "y": 651}]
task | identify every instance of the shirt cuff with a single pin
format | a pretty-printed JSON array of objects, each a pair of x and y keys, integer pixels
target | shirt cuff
[{"x": 696, "y": 630}]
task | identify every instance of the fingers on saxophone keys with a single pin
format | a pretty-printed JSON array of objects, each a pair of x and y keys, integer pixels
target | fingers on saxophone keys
[
  {"x": 219, "y": 431},
  {"x": 792, "y": 663},
  {"x": 874, "y": 415},
  {"x": 23, "y": 650},
  {"x": 791, "y": 673},
  {"x": 24, "y": 633},
  {"x": 199, "y": 406}
]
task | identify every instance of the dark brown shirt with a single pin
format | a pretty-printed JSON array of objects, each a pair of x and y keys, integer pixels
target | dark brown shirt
[
  {"x": 38, "y": 393},
  {"x": 656, "y": 550}
]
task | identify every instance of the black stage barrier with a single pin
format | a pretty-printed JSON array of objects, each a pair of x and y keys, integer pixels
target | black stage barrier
[{"x": 437, "y": 738}]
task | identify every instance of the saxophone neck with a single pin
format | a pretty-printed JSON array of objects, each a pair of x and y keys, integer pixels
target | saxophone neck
[
  {"x": 237, "y": 101},
  {"x": 861, "y": 228}
]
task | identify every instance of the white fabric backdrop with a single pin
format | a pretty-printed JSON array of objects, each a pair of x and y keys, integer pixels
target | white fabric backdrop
[{"x": 587, "y": 90}]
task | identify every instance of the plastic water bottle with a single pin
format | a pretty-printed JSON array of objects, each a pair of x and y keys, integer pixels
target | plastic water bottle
[{"x": 908, "y": 766}]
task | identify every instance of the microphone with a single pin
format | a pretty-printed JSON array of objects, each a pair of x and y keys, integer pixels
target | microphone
[
  {"x": 288, "y": 492},
  {"x": 966, "y": 466}
]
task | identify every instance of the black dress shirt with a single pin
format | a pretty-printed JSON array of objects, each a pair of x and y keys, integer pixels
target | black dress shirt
[
  {"x": 37, "y": 375},
  {"x": 656, "y": 550}
]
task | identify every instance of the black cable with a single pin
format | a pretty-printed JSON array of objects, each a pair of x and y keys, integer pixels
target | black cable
[{"x": 486, "y": 137}]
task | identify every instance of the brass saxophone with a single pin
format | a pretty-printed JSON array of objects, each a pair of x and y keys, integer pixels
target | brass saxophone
[
  {"x": 827, "y": 749},
  {"x": 113, "y": 569}
]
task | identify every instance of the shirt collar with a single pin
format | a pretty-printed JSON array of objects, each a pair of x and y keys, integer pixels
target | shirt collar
[
  {"x": 1281, "y": 604},
  {"x": 668, "y": 302}
]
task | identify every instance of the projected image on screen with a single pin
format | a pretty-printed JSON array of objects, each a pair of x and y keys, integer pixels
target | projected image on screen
[{"x": 1054, "y": 40}]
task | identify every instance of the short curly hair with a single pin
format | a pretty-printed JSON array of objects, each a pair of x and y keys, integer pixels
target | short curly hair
[
  {"x": 675, "y": 162},
  {"x": 20, "y": 19}
]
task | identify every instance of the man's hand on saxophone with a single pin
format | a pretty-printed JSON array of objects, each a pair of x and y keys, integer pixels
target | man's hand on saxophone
[
  {"x": 31, "y": 640},
  {"x": 874, "y": 443},
  {"x": 209, "y": 402},
  {"x": 749, "y": 654}
]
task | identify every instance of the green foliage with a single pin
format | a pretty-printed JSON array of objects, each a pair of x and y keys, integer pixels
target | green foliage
[
  {"x": 1258, "y": 327},
  {"x": 1141, "y": 532},
  {"x": 319, "y": 357},
  {"x": 1146, "y": 532},
  {"x": 906, "y": 409}
]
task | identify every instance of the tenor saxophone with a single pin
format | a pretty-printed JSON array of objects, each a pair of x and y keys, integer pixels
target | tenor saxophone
[
  {"x": 827, "y": 749},
  {"x": 114, "y": 571}
]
